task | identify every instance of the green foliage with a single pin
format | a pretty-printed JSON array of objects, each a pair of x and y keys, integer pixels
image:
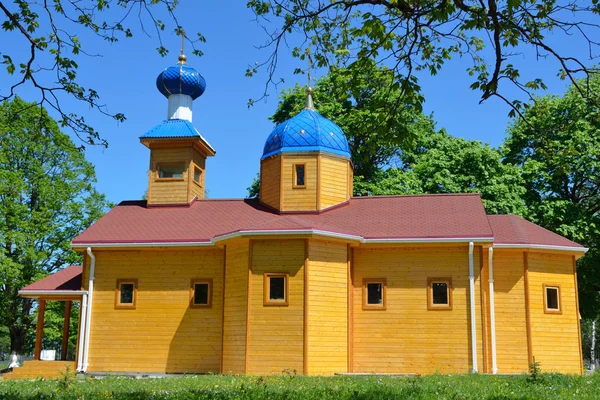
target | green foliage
[
  {"x": 418, "y": 38},
  {"x": 254, "y": 188},
  {"x": 535, "y": 372},
  {"x": 441, "y": 163},
  {"x": 47, "y": 197},
  {"x": 557, "y": 149},
  {"x": 49, "y": 34},
  {"x": 372, "y": 112},
  {"x": 4, "y": 343},
  {"x": 440, "y": 387}
]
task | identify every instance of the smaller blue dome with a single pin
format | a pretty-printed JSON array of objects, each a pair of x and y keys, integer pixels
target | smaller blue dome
[
  {"x": 307, "y": 131},
  {"x": 182, "y": 79}
]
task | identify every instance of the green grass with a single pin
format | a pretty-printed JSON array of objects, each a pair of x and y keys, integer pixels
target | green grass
[{"x": 286, "y": 387}]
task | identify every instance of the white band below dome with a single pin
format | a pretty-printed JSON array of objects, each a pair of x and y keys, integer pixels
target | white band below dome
[{"x": 180, "y": 107}]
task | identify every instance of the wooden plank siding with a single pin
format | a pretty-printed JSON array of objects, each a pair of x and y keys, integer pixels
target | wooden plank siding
[
  {"x": 555, "y": 337},
  {"x": 299, "y": 199},
  {"x": 334, "y": 181},
  {"x": 162, "y": 334},
  {"x": 235, "y": 308},
  {"x": 509, "y": 299},
  {"x": 406, "y": 337},
  {"x": 327, "y": 301},
  {"x": 270, "y": 181},
  {"x": 276, "y": 336},
  {"x": 197, "y": 189}
]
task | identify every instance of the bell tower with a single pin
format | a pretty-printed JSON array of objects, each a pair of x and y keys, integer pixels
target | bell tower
[{"x": 178, "y": 152}]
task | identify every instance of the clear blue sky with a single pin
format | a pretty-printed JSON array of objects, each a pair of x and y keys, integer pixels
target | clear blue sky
[{"x": 125, "y": 78}]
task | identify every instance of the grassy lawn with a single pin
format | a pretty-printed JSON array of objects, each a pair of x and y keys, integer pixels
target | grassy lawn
[{"x": 285, "y": 387}]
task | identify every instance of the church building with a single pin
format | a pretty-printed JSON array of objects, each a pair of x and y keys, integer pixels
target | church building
[{"x": 307, "y": 279}]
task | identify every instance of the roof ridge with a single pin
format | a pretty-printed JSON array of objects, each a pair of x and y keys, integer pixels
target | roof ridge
[{"x": 387, "y": 196}]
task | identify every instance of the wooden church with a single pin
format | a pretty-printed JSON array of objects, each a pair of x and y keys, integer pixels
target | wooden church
[{"x": 307, "y": 279}]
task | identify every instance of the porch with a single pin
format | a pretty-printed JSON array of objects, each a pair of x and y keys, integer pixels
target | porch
[{"x": 63, "y": 286}]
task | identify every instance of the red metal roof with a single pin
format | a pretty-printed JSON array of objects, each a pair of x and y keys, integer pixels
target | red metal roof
[
  {"x": 376, "y": 217},
  {"x": 511, "y": 229},
  {"x": 65, "y": 279}
]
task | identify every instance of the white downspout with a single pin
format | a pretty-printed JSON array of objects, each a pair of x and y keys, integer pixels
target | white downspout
[
  {"x": 492, "y": 309},
  {"x": 472, "y": 298},
  {"x": 81, "y": 332},
  {"x": 88, "y": 318}
]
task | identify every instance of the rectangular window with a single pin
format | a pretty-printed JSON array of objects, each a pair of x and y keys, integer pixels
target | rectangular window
[
  {"x": 170, "y": 171},
  {"x": 374, "y": 294},
  {"x": 126, "y": 294},
  {"x": 201, "y": 293},
  {"x": 276, "y": 289},
  {"x": 552, "y": 303},
  {"x": 299, "y": 176},
  {"x": 197, "y": 175},
  {"x": 439, "y": 294}
]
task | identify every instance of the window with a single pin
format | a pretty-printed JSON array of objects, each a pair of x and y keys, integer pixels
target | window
[
  {"x": 201, "y": 293},
  {"x": 126, "y": 294},
  {"x": 276, "y": 289},
  {"x": 170, "y": 171},
  {"x": 374, "y": 294},
  {"x": 439, "y": 294},
  {"x": 552, "y": 303},
  {"x": 299, "y": 176},
  {"x": 197, "y": 175}
]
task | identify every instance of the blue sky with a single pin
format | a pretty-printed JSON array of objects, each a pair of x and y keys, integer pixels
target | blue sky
[{"x": 125, "y": 78}]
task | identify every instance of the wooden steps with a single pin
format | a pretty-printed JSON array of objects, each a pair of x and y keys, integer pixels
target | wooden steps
[{"x": 37, "y": 369}]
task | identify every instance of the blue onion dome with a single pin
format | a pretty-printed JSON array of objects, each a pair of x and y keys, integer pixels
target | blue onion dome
[
  {"x": 181, "y": 78},
  {"x": 307, "y": 131}
]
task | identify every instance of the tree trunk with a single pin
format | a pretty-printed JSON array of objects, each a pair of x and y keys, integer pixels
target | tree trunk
[
  {"x": 17, "y": 340},
  {"x": 593, "y": 352}
]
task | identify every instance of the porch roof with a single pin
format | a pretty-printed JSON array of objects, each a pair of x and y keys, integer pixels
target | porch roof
[{"x": 64, "y": 283}]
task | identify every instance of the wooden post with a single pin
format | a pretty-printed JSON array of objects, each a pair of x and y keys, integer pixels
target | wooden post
[
  {"x": 39, "y": 333},
  {"x": 66, "y": 325}
]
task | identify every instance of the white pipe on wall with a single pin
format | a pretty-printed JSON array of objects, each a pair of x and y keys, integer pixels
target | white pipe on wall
[
  {"x": 81, "y": 332},
  {"x": 492, "y": 309},
  {"x": 88, "y": 318},
  {"x": 472, "y": 298}
]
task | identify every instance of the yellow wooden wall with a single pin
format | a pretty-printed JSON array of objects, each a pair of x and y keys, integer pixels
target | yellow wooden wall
[
  {"x": 407, "y": 338},
  {"x": 270, "y": 181},
  {"x": 555, "y": 338},
  {"x": 327, "y": 305},
  {"x": 511, "y": 325},
  {"x": 334, "y": 180},
  {"x": 197, "y": 190},
  {"x": 163, "y": 334},
  {"x": 236, "y": 308},
  {"x": 276, "y": 341},
  {"x": 299, "y": 199},
  {"x": 168, "y": 192}
]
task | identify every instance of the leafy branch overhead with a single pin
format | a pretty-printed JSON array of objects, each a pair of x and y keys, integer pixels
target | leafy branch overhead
[
  {"x": 493, "y": 37},
  {"x": 52, "y": 32}
]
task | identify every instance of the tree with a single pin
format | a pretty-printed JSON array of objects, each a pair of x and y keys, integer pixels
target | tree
[
  {"x": 254, "y": 188},
  {"x": 47, "y": 197},
  {"x": 441, "y": 163},
  {"x": 52, "y": 34},
  {"x": 369, "y": 110},
  {"x": 558, "y": 148},
  {"x": 490, "y": 36}
]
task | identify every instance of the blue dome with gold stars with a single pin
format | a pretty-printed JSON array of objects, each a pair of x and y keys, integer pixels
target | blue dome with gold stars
[
  {"x": 181, "y": 79},
  {"x": 307, "y": 131}
]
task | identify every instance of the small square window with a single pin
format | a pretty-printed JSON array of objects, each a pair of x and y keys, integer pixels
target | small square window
[
  {"x": 201, "y": 293},
  {"x": 275, "y": 289},
  {"x": 439, "y": 294},
  {"x": 299, "y": 176},
  {"x": 126, "y": 294},
  {"x": 552, "y": 303},
  {"x": 170, "y": 171},
  {"x": 374, "y": 294},
  {"x": 197, "y": 175}
]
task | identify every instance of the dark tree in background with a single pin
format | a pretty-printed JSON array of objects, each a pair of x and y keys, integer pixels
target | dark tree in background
[{"x": 47, "y": 197}]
